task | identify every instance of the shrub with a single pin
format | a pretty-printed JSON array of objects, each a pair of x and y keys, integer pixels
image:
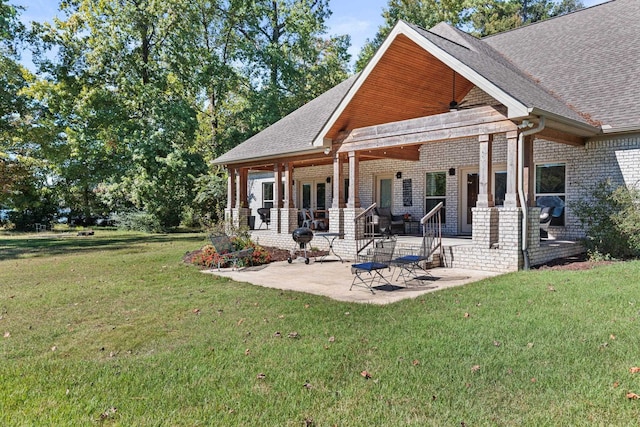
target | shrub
[
  {"x": 208, "y": 257},
  {"x": 138, "y": 221},
  {"x": 611, "y": 216}
]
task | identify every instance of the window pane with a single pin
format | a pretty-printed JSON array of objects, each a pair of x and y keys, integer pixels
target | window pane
[
  {"x": 320, "y": 195},
  {"x": 550, "y": 178},
  {"x": 306, "y": 196},
  {"x": 501, "y": 187},
  {"x": 557, "y": 203},
  {"x": 267, "y": 191},
  {"x": 385, "y": 193},
  {"x": 433, "y": 202},
  {"x": 346, "y": 190},
  {"x": 436, "y": 184}
]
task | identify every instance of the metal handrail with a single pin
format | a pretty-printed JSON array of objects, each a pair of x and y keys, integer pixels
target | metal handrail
[
  {"x": 432, "y": 224},
  {"x": 365, "y": 238},
  {"x": 365, "y": 212}
]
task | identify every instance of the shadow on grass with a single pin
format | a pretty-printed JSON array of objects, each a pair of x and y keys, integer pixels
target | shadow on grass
[{"x": 37, "y": 246}]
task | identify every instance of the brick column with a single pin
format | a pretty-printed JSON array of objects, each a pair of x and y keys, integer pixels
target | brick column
[
  {"x": 288, "y": 220},
  {"x": 485, "y": 230},
  {"x": 241, "y": 217},
  {"x": 336, "y": 220},
  {"x": 533, "y": 224},
  {"x": 350, "y": 231},
  {"x": 510, "y": 228}
]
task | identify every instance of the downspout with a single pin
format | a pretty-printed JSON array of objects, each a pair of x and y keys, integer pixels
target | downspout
[{"x": 523, "y": 202}]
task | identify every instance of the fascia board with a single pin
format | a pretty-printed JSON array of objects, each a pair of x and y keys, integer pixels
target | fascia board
[
  {"x": 400, "y": 28},
  {"x": 514, "y": 107}
]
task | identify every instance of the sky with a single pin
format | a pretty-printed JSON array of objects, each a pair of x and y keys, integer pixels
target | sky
[{"x": 358, "y": 18}]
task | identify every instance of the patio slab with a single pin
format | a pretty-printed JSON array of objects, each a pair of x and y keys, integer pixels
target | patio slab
[{"x": 333, "y": 279}]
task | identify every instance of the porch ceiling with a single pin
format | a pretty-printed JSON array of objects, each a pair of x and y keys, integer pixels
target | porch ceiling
[{"x": 408, "y": 82}]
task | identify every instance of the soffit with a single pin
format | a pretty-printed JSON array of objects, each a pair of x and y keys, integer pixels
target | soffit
[{"x": 406, "y": 83}]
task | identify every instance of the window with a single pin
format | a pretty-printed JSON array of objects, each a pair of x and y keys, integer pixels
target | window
[
  {"x": 346, "y": 190},
  {"x": 436, "y": 192},
  {"x": 321, "y": 199},
  {"x": 500, "y": 190},
  {"x": 384, "y": 194},
  {"x": 267, "y": 194},
  {"x": 550, "y": 189}
]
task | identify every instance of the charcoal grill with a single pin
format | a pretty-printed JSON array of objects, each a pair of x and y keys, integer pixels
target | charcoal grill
[{"x": 301, "y": 236}]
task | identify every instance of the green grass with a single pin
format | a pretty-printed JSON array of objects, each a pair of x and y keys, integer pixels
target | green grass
[{"x": 117, "y": 321}]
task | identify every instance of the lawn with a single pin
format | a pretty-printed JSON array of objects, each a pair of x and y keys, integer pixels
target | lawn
[{"x": 114, "y": 329}]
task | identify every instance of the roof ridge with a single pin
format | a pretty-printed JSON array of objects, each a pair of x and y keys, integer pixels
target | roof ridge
[
  {"x": 553, "y": 18},
  {"x": 416, "y": 26}
]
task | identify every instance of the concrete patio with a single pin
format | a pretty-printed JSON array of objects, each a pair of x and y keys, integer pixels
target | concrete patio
[{"x": 333, "y": 279}]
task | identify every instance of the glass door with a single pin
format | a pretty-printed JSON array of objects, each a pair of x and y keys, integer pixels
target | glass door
[
  {"x": 470, "y": 189},
  {"x": 384, "y": 193}
]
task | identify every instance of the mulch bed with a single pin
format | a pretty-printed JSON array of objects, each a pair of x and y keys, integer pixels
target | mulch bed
[
  {"x": 572, "y": 263},
  {"x": 277, "y": 254}
]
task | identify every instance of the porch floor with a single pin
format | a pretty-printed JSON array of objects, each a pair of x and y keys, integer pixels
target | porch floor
[{"x": 333, "y": 279}]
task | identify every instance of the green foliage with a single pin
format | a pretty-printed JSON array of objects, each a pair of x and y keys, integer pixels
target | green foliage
[
  {"x": 480, "y": 17},
  {"x": 211, "y": 194},
  {"x": 141, "y": 95},
  {"x": 207, "y": 257},
  {"x": 611, "y": 215},
  {"x": 488, "y": 17},
  {"x": 138, "y": 221}
]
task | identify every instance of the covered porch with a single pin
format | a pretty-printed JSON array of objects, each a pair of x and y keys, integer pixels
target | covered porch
[{"x": 496, "y": 232}]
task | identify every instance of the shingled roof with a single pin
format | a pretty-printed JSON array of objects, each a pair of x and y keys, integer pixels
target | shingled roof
[
  {"x": 490, "y": 64},
  {"x": 293, "y": 133},
  {"x": 582, "y": 67},
  {"x": 590, "y": 59}
]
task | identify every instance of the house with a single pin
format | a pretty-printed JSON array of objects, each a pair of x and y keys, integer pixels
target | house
[{"x": 492, "y": 128}]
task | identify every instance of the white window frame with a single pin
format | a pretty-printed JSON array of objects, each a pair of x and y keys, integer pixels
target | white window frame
[
  {"x": 439, "y": 198},
  {"x": 559, "y": 221}
]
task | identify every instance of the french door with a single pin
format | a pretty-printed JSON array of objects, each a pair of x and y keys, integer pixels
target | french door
[{"x": 469, "y": 196}]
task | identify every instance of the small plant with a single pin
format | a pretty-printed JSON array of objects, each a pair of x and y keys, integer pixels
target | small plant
[
  {"x": 611, "y": 216},
  {"x": 209, "y": 258},
  {"x": 240, "y": 239}
]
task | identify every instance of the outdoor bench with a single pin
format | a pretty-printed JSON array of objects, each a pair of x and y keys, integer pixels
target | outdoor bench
[{"x": 226, "y": 252}]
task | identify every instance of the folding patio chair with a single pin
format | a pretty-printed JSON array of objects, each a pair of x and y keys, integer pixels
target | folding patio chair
[
  {"x": 368, "y": 273},
  {"x": 412, "y": 263}
]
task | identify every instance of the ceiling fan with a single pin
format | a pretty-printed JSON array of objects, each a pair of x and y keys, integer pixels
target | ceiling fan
[{"x": 453, "y": 105}]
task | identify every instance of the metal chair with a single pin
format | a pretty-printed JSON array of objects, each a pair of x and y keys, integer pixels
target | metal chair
[
  {"x": 265, "y": 216},
  {"x": 366, "y": 274},
  {"x": 411, "y": 263},
  {"x": 226, "y": 252}
]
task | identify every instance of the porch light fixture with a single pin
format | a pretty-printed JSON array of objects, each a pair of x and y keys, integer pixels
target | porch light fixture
[
  {"x": 452, "y": 172},
  {"x": 328, "y": 179},
  {"x": 327, "y": 151},
  {"x": 399, "y": 175}
]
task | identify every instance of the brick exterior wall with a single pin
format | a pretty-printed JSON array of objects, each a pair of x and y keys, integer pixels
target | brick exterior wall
[{"x": 614, "y": 158}]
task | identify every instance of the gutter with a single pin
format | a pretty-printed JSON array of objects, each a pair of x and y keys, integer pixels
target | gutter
[{"x": 523, "y": 202}]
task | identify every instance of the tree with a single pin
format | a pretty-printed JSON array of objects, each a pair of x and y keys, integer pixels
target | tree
[
  {"x": 488, "y": 17},
  {"x": 480, "y": 17},
  {"x": 286, "y": 59},
  {"x": 425, "y": 13},
  {"x": 15, "y": 169},
  {"x": 123, "y": 116}
]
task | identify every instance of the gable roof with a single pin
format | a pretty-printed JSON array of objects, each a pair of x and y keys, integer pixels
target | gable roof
[
  {"x": 550, "y": 68},
  {"x": 590, "y": 59},
  {"x": 294, "y": 133}
]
